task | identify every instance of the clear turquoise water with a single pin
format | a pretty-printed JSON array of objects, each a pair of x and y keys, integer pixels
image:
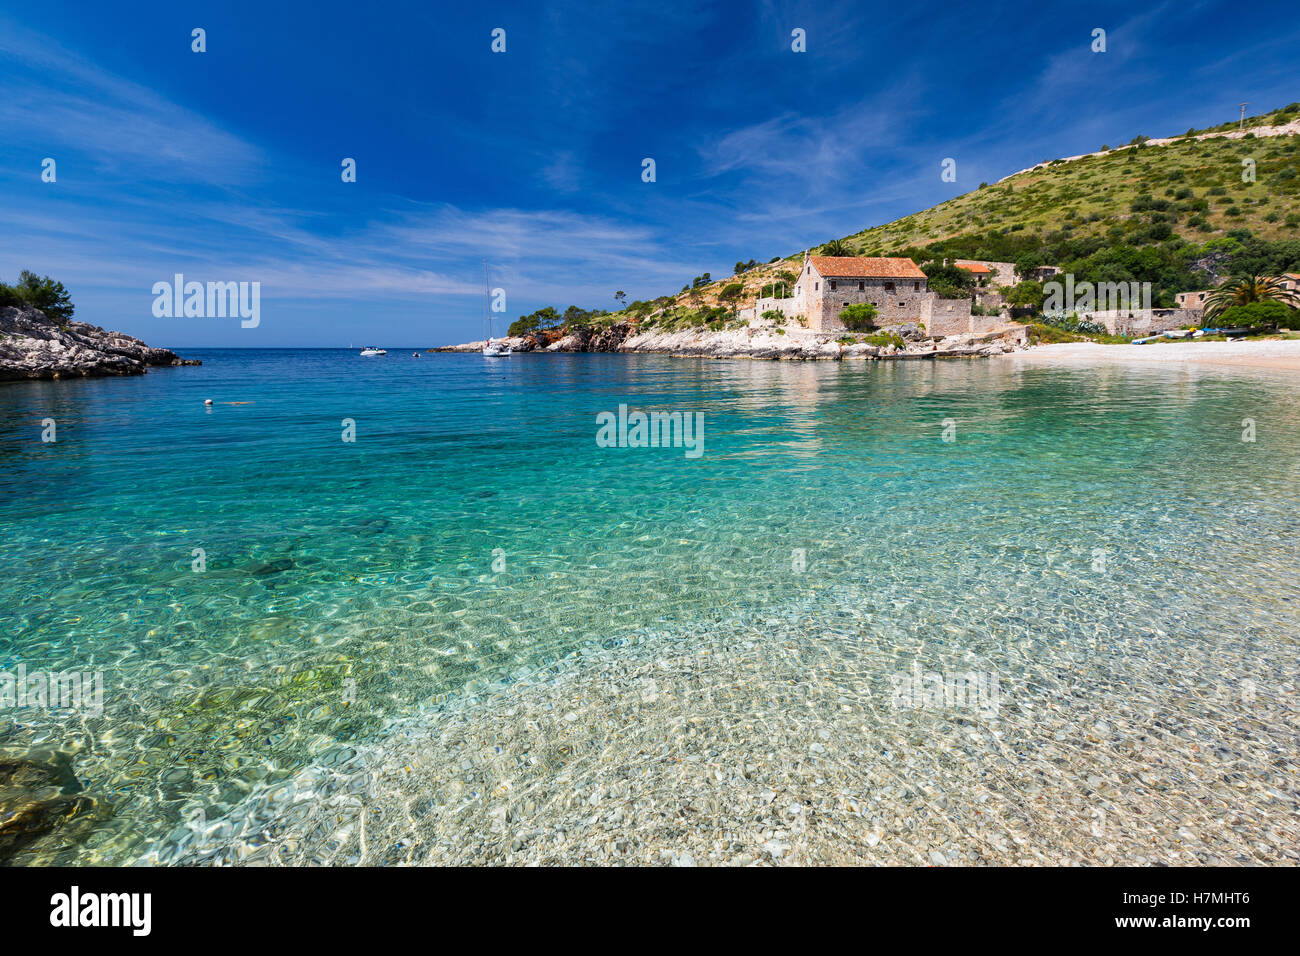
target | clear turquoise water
[{"x": 372, "y": 562}]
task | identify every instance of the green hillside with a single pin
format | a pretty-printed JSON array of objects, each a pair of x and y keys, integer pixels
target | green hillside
[{"x": 1142, "y": 194}]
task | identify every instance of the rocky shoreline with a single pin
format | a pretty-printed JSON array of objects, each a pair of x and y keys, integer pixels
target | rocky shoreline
[
  {"x": 760, "y": 343},
  {"x": 32, "y": 346}
]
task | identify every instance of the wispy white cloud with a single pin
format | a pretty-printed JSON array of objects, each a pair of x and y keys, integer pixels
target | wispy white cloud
[
  {"x": 186, "y": 211},
  {"x": 54, "y": 98}
]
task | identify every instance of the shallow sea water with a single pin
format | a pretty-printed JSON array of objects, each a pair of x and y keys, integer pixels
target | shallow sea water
[{"x": 683, "y": 660}]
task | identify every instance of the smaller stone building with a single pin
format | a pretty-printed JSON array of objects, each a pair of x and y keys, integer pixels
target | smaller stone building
[
  {"x": 989, "y": 274},
  {"x": 982, "y": 273},
  {"x": 1192, "y": 300},
  {"x": 1041, "y": 273}
]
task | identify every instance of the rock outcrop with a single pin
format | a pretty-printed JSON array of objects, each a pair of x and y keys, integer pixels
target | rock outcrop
[
  {"x": 33, "y": 346},
  {"x": 762, "y": 342}
]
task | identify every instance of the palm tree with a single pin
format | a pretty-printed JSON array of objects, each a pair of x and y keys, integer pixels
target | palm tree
[
  {"x": 1243, "y": 290},
  {"x": 837, "y": 247}
]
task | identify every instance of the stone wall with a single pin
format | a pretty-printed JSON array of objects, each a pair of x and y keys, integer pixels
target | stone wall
[
  {"x": 948, "y": 317},
  {"x": 791, "y": 308},
  {"x": 1143, "y": 322},
  {"x": 1004, "y": 273},
  {"x": 986, "y": 323},
  {"x": 990, "y": 300}
]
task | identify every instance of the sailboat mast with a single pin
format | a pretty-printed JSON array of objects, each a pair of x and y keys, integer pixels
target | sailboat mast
[{"x": 487, "y": 321}]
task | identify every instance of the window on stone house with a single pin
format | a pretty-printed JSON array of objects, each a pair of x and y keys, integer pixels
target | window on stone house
[
  {"x": 816, "y": 286},
  {"x": 832, "y": 285},
  {"x": 862, "y": 286},
  {"x": 916, "y": 287},
  {"x": 889, "y": 287}
]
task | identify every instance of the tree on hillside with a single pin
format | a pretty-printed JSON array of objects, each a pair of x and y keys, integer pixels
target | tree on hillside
[
  {"x": 1026, "y": 293},
  {"x": 620, "y": 297},
  {"x": 949, "y": 282},
  {"x": 1244, "y": 290},
  {"x": 837, "y": 247},
  {"x": 544, "y": 318},
  {"x": 40, "y": 292}
]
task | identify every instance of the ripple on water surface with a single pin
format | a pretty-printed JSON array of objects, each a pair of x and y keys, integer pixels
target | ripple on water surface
[{"x": 651, "y": 677}]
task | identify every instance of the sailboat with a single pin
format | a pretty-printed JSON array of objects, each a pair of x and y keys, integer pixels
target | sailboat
[{"x": 491, "y": 348}]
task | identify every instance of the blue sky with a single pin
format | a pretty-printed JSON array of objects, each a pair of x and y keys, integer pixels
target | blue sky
[{"x": 225, "y": 165}]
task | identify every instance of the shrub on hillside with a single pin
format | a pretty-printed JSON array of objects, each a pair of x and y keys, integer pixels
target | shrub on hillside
[{"x": 859, "y": 318}]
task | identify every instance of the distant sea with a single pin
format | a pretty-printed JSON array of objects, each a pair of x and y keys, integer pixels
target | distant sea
[{"x": 258, "y": 591}]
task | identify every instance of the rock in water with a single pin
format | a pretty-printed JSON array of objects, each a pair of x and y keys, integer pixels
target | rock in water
[
  {"x": 33, "y": 346},
  {"x": 39, "y": 797},
  {"x": 276, "y": 566}
]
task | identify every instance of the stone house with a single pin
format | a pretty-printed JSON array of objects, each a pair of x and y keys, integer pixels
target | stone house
[
  {"x": 1041, "y": 273},
  {"x": 982, "y": 273},
  {"x": 895, "y": 286},
  {"x": 989, "y": 274}
]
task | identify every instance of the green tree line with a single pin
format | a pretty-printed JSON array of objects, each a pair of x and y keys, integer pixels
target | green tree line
[{"x": 40, "y": 292}]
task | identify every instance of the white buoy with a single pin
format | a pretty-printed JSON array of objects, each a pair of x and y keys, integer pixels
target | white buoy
[{"x": 207, "y": 401}]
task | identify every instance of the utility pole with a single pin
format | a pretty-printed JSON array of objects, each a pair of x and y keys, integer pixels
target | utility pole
[{"x": 1243, "y": 116}]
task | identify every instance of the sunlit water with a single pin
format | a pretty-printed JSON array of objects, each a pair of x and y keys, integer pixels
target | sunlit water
[{"x": 1101, "y": 539}]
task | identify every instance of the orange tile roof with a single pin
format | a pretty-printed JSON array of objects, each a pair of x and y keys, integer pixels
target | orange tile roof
[
  {"x": 972, "y": 266},
  {"x": 834, "y": 267}
]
